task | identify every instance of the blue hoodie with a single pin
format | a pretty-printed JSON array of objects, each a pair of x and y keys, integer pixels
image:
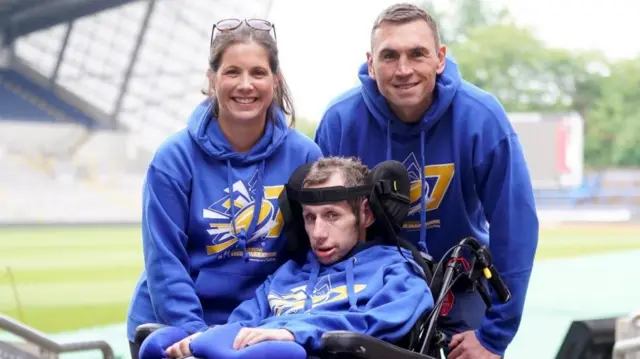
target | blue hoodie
[
  {"x": 375, "y": 290},
  {"x": 196, "y": 270},
  {"x": 474, "y": 172}
]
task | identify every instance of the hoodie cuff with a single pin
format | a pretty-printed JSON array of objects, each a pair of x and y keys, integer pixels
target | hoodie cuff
[
  {"x": 488, "y": 346},
  {"x": 194, "y": 327}
]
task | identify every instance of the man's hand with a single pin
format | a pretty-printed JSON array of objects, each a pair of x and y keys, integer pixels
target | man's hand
[
  {"x": 181, "y": 348},
  {"x": 466, "y": 346},
  {"x": 250, "y": 336}
]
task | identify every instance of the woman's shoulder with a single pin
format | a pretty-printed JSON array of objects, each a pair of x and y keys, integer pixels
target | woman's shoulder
[
  {"x": 174, "y": 154},
  {"x": 302, "y": 144}
]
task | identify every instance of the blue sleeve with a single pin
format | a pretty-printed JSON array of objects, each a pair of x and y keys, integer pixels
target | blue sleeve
[
  {"x": 388, "y": 315},
  {"x": 328, "y": 134},
  {"x": 314, "y": 154},
  {"x": 251, "y": 311},
  {"x": 505, "y": 189},
  {"x": 165, "y": 216}
]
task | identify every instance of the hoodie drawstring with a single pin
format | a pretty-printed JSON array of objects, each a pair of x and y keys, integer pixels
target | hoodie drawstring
[
  {"x": 423, "y": 201},
  {"x": 308, "y": 303},
  {"x": 351, "y": 289},
  {"x": 244, "y": 235},
  {"x": 422, "y": 245},
  {"x": 389, "y": 142}
]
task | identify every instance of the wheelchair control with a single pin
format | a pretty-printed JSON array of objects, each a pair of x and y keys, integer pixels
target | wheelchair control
[
  {"x": 468, "y": 274},
  {"x": 491, "y": 274}
]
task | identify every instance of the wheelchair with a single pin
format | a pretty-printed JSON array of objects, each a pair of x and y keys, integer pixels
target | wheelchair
[
  {"x": 425, "y": 340},
  {"x": 468, "y": 264}
]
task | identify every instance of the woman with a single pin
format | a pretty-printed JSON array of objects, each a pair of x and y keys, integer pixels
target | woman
[{"x": 212, "y": 230}]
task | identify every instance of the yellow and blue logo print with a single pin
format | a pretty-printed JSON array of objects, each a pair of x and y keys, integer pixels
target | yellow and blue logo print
[
  {"x": 323, "y": 293},
  {"x": 436, "y": 180},
  {"x": 268, "y": 226}
]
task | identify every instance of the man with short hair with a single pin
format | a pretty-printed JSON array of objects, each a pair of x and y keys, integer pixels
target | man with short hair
[
  {"x": 347, "y": 282},
  {"x": 465, "y": 160}
]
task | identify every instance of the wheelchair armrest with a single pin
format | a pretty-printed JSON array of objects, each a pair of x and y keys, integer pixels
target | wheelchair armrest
[
  {"x": 144, "y": 330},
  {"x": 364, "y": 346}
]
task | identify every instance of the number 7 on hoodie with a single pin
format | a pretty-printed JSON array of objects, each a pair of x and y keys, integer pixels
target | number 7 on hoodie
[{"x": 443, "y": 175}]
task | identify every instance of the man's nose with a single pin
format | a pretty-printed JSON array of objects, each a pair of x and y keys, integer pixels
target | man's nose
[
  {"x": 319, "y": 230},
  {"x": 403, "y": 68}
]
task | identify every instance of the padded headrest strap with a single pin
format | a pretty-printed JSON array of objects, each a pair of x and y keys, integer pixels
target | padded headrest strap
[{"x": 327, "y": 194}]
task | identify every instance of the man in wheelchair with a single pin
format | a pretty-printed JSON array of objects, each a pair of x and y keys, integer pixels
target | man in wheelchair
[
  {"x": 347, "y": 274},
  {"x": 352, "y": 287}
]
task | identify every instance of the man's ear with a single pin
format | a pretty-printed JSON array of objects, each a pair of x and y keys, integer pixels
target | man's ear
[
  {"x": 442, "y": 59},
  {"x": 372, "y": 73},
  {"x": 366, "y": 214}
]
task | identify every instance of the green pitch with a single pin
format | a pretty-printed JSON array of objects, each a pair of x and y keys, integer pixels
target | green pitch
[{"x": 60, "y": 279}]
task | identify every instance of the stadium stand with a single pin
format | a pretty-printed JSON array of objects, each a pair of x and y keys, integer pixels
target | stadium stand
[
  {"x": 143, "y": 64},
  {"x": 21, "y": 99},
  {"x": 33, "y": 195},
  {"x": 57, "y": 157},
  {"x": 87, "y": 94},
  {"x": 15, "y": 104}
]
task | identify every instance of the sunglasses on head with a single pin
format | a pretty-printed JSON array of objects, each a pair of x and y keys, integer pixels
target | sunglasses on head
[{"x": 232, "y": 24}]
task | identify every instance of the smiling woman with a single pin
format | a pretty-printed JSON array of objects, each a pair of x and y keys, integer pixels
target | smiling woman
[
  {"x": 211, "y": 230},
  {"x": 245, "y": 79}
]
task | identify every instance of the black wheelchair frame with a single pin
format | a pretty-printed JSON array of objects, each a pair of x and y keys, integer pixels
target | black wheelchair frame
[{"x": 425, "y": 340}]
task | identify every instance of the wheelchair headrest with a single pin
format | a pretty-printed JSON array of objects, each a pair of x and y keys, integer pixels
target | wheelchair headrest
[{"x": 386, "y": 187}]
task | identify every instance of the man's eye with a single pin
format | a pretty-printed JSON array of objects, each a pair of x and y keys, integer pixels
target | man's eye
[{"x": 418, "y": 54}]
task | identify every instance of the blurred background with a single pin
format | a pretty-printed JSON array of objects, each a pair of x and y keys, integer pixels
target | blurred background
[{"x": 90, "y": 88}]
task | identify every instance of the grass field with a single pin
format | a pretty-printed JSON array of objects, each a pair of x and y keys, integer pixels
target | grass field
[{"x": 72, "y": 278}]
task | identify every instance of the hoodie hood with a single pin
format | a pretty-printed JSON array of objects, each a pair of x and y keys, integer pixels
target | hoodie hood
[
  {"x": 447, "y": 84},
  {"x": 205, "y": 131}
]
